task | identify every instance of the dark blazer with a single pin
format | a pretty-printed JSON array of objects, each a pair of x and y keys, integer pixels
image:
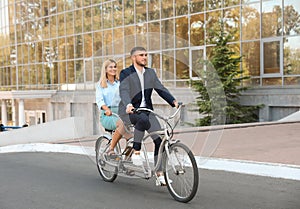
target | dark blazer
[{"x": 131, "y": 91}]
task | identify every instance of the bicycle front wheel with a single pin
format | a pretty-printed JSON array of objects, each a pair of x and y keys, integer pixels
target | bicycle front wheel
[
  {"x": 106, "y": 171},
  {"x": 181, "y": 172}
]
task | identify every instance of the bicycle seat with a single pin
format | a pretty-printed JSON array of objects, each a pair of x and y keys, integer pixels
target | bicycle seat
[{"x": 109, "y": 131}]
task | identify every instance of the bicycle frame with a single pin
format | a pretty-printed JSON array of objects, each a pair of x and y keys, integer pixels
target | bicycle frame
[{"x": 166, "y": 139}]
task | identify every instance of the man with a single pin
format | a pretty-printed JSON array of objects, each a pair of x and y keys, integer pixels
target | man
[{"x": 137, "y": 83}]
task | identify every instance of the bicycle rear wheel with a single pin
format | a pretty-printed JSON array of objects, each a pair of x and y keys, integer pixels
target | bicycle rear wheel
[
  {"x": 181, "y": 172},
  {"x": 107, "y": 172}
]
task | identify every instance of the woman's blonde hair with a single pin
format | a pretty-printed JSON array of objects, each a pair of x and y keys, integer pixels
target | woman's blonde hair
[{"x": 103, "y": 77}]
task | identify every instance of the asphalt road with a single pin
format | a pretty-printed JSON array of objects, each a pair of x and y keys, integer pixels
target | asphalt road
[{"x": 63, "y": 181}]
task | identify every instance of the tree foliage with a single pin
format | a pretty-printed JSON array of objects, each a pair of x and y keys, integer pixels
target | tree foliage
[{"x": 224, "y": 74}]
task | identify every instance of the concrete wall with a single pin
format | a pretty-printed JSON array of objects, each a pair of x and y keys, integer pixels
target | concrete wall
[
  {"x": 64, "y": 129},
  {"x": 279, "y": 102}
]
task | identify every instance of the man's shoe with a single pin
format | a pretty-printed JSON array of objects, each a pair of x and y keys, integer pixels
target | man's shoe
[
  {"x": 137, "y": 159},
  {"x": 162, "y": 182}
]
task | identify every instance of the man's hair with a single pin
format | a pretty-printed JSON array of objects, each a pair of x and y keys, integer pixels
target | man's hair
[{"x": 137, "y": 48}]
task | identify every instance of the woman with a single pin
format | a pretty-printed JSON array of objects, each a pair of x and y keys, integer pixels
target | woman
[{"x": 107, "y": 99}]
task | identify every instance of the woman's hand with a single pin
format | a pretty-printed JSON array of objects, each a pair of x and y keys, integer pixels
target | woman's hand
[{"x": 108, "y": 112}]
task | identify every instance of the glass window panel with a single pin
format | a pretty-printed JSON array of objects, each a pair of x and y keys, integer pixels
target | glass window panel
[
  {"x": 61, "y": 49},
  {"x": 249, "y": 1},
  {"x": 168, "y": 65},
  {"x": 44, "y": 8},
  {"x": 181, "y": 7},
  {"x": 97, "y": 68},
  {"x": 107, "y": 15},
  {"x": 154, "y": 61},
  {"x": 196, "y": 6},
  {"x": 167, "y": 29},
  {"x": 87, "y": 19},
  {"x": 118, "y": 13},
  {"x": 232, "y": 22},
  {"x": 129, "y": 38},
  {"x": 96, "y": 18},
  {"x": 52, "y": 7},
  {"x": 154, "y": 36},
  {"x": 251, "y": 21},
  {"x": 141, "y": 35},
  {"x": 231, "y": 2},
  {"x": 78, "y": 3},
  {"x": 292, "y": 81},
  {"x": 62, "y": 72},
  {"x": 61, "y": 24},
  {"x": 97, "y": 43},
  {"x": 140, "y": 7},
  {"x": 271, "y": 57},
  {"x": 13, "y": 75},
  {"x": 20, "y": 77},
  {"x": 167, "y": 9},
  {"x": 88, "y": 67},
  {"x": 40, "y": 75},
  {"x": 291, "y": 17},
  {"x": 79, "y": 66},
  {"x": 33, "y": 74},
  {"x": 88, "y": 45},
  {"x": 182, "y": 64},
  {"x": 78, "y": 21},
  {"x": 271, "y": 18},
  {"x": 70, "y": 25},
  {"x": 213, "y": 4},
  {"x": 86, "y": 2},
  {"x": 182, "y": 32},
  {"x": 70, "y": 72},
  {"x": 47, "y": 29},
  {"x": 118, "y": 41},
  {"x": 60, "y": 6},
  {"x": 96, "y": 1},
  {"x": 197, "y": 29},
  {"x": 69, "y": 5},
  {"x": 70, "y": 47},
  {"x": 271, "y": 81},
  {"x": 154, "y": 9},
  {"x": 128, "y": 12},
  {"x": 251, "y": 58},
  {"x": 53, "y": 27},
  {"x": 292, "y": 56},
  {"x": 79, "y": 46},
  {"x": 213, "y": 20},
  {"x": 25, "y": 76},
  {"x": 107, "y": 42},
  {"x": 19, "y": 55}
]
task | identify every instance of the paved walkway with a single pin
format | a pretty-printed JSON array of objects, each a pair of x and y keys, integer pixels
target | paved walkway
[{"x": 259, "y": 142}]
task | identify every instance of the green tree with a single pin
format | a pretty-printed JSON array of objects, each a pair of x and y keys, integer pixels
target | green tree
[{"x": 223, "y": 73}]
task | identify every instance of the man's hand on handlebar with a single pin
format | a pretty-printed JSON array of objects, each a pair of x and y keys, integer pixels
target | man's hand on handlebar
[{"x": 129, "y": 109}]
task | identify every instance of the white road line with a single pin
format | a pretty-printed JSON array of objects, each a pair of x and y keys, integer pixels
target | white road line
[{"x": 274, "y": 170}]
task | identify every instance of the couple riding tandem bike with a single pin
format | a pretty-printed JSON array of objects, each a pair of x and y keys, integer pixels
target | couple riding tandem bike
[{"x": 176, "y": 159}]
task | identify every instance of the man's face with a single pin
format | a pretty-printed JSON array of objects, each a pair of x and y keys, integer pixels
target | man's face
[{"x": 140, "y": 58}]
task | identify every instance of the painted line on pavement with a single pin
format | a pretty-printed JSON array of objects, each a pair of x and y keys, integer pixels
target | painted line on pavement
[{"x": 274, "y": 170}]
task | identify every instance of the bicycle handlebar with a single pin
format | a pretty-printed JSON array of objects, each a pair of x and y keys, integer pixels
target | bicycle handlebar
[{"x": 136, "y": 110}]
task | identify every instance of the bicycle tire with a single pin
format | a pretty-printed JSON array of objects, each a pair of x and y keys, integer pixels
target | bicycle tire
[
  {"x": 182, "y": 182},
  {"x": 102, "y": 144}
]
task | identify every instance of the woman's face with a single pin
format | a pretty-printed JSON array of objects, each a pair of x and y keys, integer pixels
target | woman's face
[{"x": 111, "y": 69}]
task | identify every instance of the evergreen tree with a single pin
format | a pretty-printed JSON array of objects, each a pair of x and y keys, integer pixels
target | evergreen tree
[{"x": 219, "y": 87}]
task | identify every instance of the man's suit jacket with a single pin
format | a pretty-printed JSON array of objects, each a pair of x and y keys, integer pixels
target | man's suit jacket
[{"x": 131, "y": 90}]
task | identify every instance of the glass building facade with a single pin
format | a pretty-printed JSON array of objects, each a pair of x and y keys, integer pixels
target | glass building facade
[{"x": 61, "y": 44}]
